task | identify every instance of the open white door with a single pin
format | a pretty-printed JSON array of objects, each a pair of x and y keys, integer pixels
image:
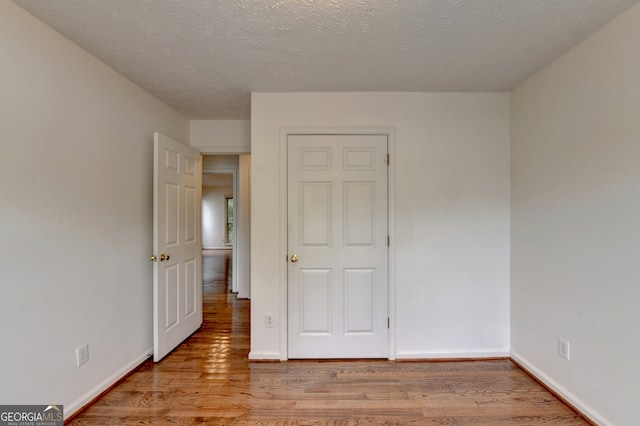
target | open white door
[{"x": 177, "y": 244}]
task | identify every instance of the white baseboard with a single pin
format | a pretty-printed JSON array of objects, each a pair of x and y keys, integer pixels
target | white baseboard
[
  {"x": 560, "y": 390},
  {"x": 453, "y": 355},
  {"x": 266, "y": 356},
  {"x": 70, "y": 409},
  {"x": 229, "y": 247},
  {"x": 409, "y": 355}
]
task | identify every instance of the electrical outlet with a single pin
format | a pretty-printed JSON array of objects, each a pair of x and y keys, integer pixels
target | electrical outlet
[
  {"x": 268, "y": 321},
  {"x": 563, "y": 348},
  {"x": 82, "y": 354}
]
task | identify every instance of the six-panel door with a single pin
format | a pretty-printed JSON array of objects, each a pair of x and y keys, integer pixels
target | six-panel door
[
  {"x": 337, "y": 228},
  {"x": 177, "y": 292}
]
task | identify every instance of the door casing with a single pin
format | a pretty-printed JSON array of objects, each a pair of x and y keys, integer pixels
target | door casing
[
  {"x": 283, "y": 270},
  {"x": 238, "y": 249}
]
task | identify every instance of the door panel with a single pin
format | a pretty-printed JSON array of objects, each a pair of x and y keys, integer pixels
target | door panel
[
  {"x": 359, "y": 286},
  {"x": 315, "y": 214},
  {"x": 171, "y": 207},
  {"x": 315, "y": 301},
  {"x": 169, "y": 298},
  {"x": 360, "y": 214},
  {"x": 177, "y": 245},
  {"x": 191, "y": 216},
  {"x": 191, "y": 287},
  {"x": 337, "y": 211}
]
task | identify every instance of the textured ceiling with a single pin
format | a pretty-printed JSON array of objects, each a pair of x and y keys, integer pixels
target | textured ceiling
[{"x": 205, "y": 57}]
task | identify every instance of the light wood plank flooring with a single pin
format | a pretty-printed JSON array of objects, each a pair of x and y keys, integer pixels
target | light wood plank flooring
[{"x": 209, "y": 380}]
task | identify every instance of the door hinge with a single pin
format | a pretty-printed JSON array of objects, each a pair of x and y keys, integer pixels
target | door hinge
[
  {"x": 388, "y": 240},
  {"x": 388, "y": 159},
  {"x": 388, "y": 322}
]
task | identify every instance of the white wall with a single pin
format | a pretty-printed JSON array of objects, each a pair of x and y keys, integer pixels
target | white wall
[
  {"x": 220, "y": 162},
  {"x": 76, "y": 197},
  {"x": 221, "y": 136},
  {"x": 214, "y": 215},
  {"x": 575, "y": 218},
  {"x": 451, "y": 214}
]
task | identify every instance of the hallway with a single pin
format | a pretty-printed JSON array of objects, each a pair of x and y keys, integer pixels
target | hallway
[{"x": 209, "y": 380}]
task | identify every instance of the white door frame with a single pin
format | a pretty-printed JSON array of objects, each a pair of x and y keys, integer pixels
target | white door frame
[
  {"x": 284, "y": 135},
  {"x": 230, "y": 150}
]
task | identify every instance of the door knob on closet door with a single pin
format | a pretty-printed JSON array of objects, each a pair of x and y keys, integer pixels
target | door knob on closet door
[
  {"x": 164, "y": 257},
  {"x": 294, "y": 258}
]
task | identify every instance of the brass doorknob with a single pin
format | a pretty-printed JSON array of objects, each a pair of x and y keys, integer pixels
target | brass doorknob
[
  {"x": 294, "y": 258},
  {"x": 153, "y": 258},
  {"x": 164, "y": 257}
]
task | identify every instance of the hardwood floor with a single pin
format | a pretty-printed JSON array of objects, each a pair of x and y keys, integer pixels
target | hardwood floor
[{"x": 209, "y": 380}]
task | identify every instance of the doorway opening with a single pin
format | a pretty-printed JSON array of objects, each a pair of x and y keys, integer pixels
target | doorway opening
[{"x": 226, "y": 214}]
